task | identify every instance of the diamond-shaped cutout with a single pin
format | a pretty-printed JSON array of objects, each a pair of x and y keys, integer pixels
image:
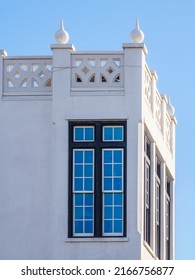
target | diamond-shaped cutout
[
  {"x": 41, "y": 75},
  {"x": 110, "y": 70},
  {"x": 24, "y": 67},
  {"x": 17, "y": 75},
  {"x": 85, "y": 70}
]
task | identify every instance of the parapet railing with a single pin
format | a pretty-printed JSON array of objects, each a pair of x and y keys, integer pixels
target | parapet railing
[
  {"x": 99, "y": 70},
  {"x": 31, "y": 74},
  {"x": 157, "y": 103}
]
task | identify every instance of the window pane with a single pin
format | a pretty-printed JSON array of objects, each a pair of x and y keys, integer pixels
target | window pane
[
  {"x": 88, "y": 227},
  {"x": 108, "y": 226},
  {"x": 88, "y": 213},
  {"x": 78, "y": 184},
  {"x": 118, "y": 184},
  {"x": 118, "y": 133},
  {"x": 79, "y": 213},
  {"x": 78, "y": 156},
  {"x": 118, "y": 156},
  {"x": 88, "y": 199},
  {"x": 118, "y": 199},
  {"x": 108, "y": 134},
  {"x": 108, "y": 199},
  {"x": 118, "y": 226},
  {"x": 78, "y": 134},
  {"x": 89, "y": 131},
  {"x": 88, "y": 156},
  {"x": 78, "y": 227},
  {"x": 118, "y": 212},
  {"x": 88, "y": 171},
  {"x": 78, "y": 199},
  {"x": 108, "y": 213},
  {"x": 117, "y": 169},
  {"x": 107, "y": 170},
  {"x": 79, "y": 170},
  {"x": 108, "y": 184},
  {"x": 108, "y": 156},
  {"x": 88, "y": 184}
]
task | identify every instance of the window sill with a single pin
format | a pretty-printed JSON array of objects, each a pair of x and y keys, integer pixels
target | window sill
[{"x": 101, "y": 239}]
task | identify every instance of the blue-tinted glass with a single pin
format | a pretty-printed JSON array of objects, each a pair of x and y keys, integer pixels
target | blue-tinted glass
[
  {"x": 78, "y": 199},
  {"x": 78, "y": 213},
  {"x": 88, "y": 157},
  {"x": 107, "y": 199},
  {"x": 108, "y": 226},
  {"x": 118, "y": 133},
  {"x": 88, "y": 184},
  {"x": 108, "y": 170},
  {"x": 107, "y": 212},
  {"x": 108, "y": 133},
  {"x": 89, "y": 199},
  {"x": 78, "y": 157},
  {"x": 89, "y": 134},
  {"x": 118, "y": 156},
  {"x": 79, "y": 134},
  {"x": 88, "y": 213},
  {"x": 88, "y": 227},
  {"x": 117, "y": 169},
  {"x": 108, "y": 156},
  {"x": 88, "y": 170},
  {"x": 118, "y": 226},
  {"x": 117, "y": 184},
  {"x": 107, "y": 184},
  {"x": 118, "y": 199},
  {"x": 78, "y": 170},
  {"x": 118, "y": 212},
  {"x": 78, "y": 227},
  {"x": 78, "y": 184}
]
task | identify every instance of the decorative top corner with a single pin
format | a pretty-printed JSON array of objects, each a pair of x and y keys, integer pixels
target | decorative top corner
[
  {"x": 170, "y": 108},
  {"x": 137, "y": 36},
  {"x": 61, "y": 35}
]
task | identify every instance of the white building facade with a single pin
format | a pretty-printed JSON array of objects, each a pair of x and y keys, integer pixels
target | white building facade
[{"x": 87, "y": 156}]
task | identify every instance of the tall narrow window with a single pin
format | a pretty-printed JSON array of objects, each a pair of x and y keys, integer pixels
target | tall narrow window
[
  {"x": 167, "y": 219},
  {"x": 147, "y": 192},
  {"x": 97, "y": 179},
  {"x": 158, "y": 208}
]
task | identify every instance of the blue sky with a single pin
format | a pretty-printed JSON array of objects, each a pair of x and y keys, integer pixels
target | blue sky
[{"x": 28, "y": 27}]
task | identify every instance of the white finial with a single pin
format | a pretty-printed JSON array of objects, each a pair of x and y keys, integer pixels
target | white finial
[
  {"x": 170, "y": 108},
  {"x": 62, "y": 35},
  {"x": 137, "y": 36}
]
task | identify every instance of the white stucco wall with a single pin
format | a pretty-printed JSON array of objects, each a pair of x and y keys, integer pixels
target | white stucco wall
[{"x": 25, "y": 179}]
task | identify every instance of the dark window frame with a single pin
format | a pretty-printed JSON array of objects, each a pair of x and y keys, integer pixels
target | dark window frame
[
  {"x": 168, "y": 208},
  {"x": 98, "y": 145},
  {"x": 158, "y": 215},
  {"x": 147, "y": 207}
]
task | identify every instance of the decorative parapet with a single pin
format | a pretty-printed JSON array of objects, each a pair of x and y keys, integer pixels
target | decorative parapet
[
  {"x": 98, "y": 70},
  {"x": 30, "y": 74},
  {"x": 148, "y": 87},
  {"x": 161, "y": 111}
]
